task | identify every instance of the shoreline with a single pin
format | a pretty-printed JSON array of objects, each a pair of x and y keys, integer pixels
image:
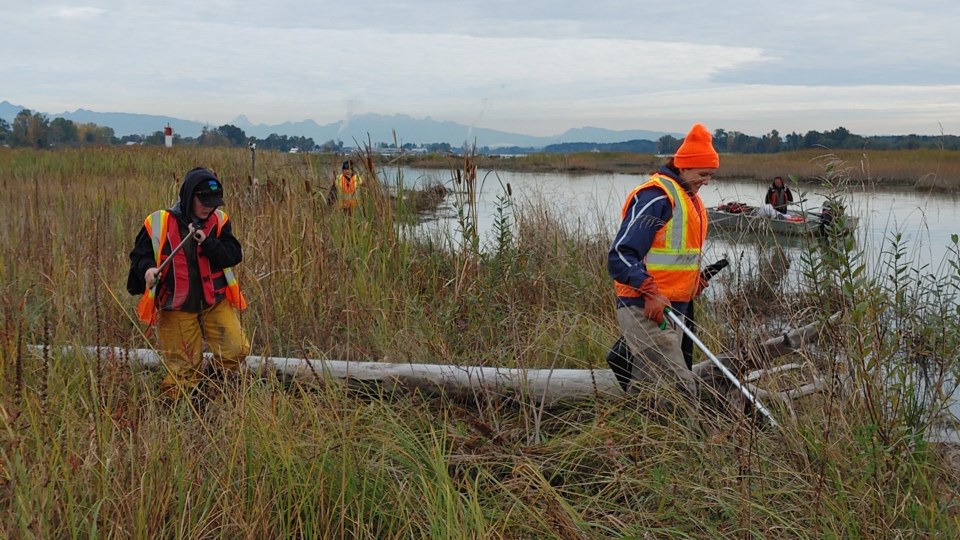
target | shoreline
[{"x": 937, "y": 171}]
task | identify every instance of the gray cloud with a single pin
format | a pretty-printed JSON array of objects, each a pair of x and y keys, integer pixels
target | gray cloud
[{"x": 537, "y": 67}]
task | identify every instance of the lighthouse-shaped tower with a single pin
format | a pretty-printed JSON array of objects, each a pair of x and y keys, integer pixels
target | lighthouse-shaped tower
[{"x": 168, "y": 136}]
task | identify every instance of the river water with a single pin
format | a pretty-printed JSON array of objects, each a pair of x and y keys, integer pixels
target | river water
[{"x": 925, "y": 221}]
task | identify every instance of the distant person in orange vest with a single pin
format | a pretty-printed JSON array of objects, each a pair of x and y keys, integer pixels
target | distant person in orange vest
[
  {"x": 346, "y": 188},
  {"x": 778, "y": 196},
  {"x": 655, "y": 264},
  {"x": 182, "y": 263}
]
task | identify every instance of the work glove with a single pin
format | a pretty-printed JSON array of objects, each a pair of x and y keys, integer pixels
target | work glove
[{"x": 654, "y": 302}]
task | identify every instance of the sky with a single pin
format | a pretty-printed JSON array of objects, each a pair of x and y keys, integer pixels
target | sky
[{"x": 536, "y": 67}]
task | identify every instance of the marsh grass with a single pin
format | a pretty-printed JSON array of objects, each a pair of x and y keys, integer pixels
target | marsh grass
[
  {"x": 926, "y": 169},
  {"x": 87, "y": 449}
]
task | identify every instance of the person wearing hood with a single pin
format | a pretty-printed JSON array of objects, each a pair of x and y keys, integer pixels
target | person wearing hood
[
  {"x": 655, "y": 264},
  {"x": 195, "y": 294}
]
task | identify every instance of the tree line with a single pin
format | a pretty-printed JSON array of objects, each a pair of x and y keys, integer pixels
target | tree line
[
  {"x": 837, "y": 139},
  {"x": 36, "y": 130}
]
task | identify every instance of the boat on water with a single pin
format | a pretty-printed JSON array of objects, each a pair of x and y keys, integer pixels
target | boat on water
[{"x": 740, "y": 217}]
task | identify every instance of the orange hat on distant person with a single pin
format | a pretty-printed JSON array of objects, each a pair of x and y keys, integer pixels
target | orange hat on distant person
[{"x": 697, "y": 151}]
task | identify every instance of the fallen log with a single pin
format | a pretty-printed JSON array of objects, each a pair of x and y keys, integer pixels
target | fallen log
[
  {"x": 542, "y": 386},
  {"x": 538, "y": 385},
  {"x": 793, "y": 340}
]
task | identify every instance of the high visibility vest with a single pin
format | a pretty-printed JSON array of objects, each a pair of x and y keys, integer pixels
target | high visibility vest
[
  {"x": 216, "y": 284},
  {"x": 347, "y": 190},
  {"x": 674, "y": 258}
]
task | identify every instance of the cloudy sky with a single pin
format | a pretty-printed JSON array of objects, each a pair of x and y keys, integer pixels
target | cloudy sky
[{"x": 536, "y": 67}]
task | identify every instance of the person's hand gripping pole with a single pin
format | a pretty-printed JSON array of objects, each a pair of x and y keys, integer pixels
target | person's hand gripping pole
[
  {"x": 654, "y": 302},
  {"x": 152, "y": 276}
]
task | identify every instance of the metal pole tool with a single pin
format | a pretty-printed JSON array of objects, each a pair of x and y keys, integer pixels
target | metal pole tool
[{"x": 677, "y": 320}]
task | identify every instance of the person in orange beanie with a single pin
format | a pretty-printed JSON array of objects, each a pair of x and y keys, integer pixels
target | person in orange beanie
[{"x": 655, "y": 264}]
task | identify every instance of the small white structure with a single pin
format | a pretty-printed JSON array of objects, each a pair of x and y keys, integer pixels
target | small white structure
[{"x": 168, "y": 136}]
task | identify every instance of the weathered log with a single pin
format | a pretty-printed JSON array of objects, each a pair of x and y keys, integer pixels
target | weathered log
[
  {"x": 543, "y": 386},
  {"x": 546, "y": 386},
  {"x": 793, "y": 340}
]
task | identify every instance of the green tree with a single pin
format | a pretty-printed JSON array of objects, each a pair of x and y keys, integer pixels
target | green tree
[
  {"x": 811, "y": 139},
  {"x": 439, "y": 147},
  {"x": 720, "y": 140},
  {"x": 63, "y": 132},
  {"x": 793, "y": 141},
  {"x": 331, "y": 146},
  {"x": 91, "y": 133},
  {"x": 29, "y": 129},
  {"x": 668, "y": 144},
  {"x": 157, "y": 138},
  {"x": 4, "y": 131},
  {"x": 771, "y": 142},
  {"x": 212, "y": 137},
  {"x": 233, "y": 134}
]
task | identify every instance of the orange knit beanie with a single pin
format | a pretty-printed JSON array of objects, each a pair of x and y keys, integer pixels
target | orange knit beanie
[{"x": 697, "y": 151}]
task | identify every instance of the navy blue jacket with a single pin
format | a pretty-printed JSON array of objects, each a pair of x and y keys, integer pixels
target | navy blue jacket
[{"x": 647, "y": 212}]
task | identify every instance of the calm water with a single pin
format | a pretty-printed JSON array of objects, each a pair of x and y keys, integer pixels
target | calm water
[{"x": 926, "y": 221}]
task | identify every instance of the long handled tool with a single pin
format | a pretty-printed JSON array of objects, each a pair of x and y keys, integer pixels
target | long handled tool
[
  {"x": 677, "y": 320},
  {"x": 170, "y": 257}
]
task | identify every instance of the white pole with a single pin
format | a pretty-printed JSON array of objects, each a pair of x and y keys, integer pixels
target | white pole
[{"x": 716, "y": 361}]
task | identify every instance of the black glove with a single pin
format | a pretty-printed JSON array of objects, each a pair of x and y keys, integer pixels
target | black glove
[{"x": 714, "y": 269}]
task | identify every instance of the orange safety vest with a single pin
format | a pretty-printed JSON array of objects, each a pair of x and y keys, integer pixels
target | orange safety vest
[
  {"x": 347, "y": 190},
  {"x": 217, "y": 284},
  {"x": 778, "y": 197},
  {"x": 674, "y": 258}
]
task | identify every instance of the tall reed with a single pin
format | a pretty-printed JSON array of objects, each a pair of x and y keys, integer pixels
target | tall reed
[{"x": 86, "y": 449}]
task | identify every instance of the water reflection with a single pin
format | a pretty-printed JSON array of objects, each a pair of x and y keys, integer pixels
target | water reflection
[{"x": 924, "y": 221}]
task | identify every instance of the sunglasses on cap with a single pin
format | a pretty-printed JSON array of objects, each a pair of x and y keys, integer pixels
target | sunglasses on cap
[
  {"x": 208, "y": 188},
  {"x": 211, "y": 186}
]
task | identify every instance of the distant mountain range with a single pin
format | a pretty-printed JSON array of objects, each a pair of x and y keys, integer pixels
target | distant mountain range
[{"x": 351, "y": 131}]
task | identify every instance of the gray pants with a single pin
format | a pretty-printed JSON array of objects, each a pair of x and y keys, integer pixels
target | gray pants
[{"x": 659, "y": 364}]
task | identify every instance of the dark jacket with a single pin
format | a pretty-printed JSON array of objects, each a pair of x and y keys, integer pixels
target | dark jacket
[
  {"x": 778, "y": 197},
  {"x": 647, "y": 212},
  {"x": 222, "y": 251}
]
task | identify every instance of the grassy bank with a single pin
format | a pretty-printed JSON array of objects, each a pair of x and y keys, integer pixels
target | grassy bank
[
  {"x": 87, "y": 450},
  {"x": 923, "y": 169}
]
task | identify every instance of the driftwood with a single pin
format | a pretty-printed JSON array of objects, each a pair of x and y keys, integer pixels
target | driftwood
[
  {"x": 543, "y": 386},
  {"x": 539, "y": 385}
]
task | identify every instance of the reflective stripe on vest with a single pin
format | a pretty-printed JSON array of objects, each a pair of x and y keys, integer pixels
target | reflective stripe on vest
[
  {"x": 158, "y": 226},
  {"x": 347, "y": 188},
  {"x": 674, "y": 258}
]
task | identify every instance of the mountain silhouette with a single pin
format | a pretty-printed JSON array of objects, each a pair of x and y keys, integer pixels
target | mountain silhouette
[{"x": 355, "y": 130}]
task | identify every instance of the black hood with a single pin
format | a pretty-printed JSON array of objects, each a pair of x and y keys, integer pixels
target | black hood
[{"x": 183, "y": 208}]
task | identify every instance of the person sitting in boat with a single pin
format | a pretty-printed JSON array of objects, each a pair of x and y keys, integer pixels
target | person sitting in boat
[{"x": 779, "y": 195}]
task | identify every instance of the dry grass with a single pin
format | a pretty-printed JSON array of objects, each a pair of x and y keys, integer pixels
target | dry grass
[{"x": 87, "y": 450}]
